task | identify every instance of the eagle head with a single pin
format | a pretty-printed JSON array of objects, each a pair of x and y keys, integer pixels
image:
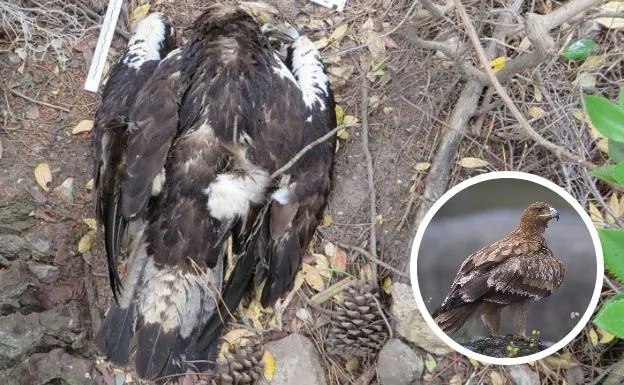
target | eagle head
[{"x": 537, "y": 216}]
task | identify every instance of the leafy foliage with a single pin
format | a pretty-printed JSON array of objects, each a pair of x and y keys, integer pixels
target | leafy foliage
[{"x": 608, "y": 119}]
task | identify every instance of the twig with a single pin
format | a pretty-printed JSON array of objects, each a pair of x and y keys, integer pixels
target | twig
[
  {"x": 92, "y": 300},
  {"x": 373, "y": 259},
  {"x": 372, "y": 234},
  {"x": 304, "y": 150},
  {"x": 534, "y": 135},
  {"x": 381, "y": 312},
  {"x": 327, "y": 294},
  {"x": 98, "y": 19},
  {"x": 21, "y": 95}
]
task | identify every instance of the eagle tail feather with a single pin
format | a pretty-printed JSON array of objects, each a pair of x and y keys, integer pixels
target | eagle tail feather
[
  {"x": 113, "y": 338},
  {"x": 285, "y": 258},
  {"x": 451, "y": 320}
]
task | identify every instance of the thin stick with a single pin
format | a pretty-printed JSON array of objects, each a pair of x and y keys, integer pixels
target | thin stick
[
  {"x": 373, "y": 259},
  {"x": 381, "y": 312},
  {"x": 372, "y": 234},
  {"x": 21, "y": 95},
  {"x": 304, "y": 150},
  {"x": 534, "y": 135}
]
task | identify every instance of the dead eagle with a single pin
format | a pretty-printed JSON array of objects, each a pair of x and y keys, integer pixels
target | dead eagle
[
  {"x": 514, "y": 271},
  {"x": 216, "y": 118}
]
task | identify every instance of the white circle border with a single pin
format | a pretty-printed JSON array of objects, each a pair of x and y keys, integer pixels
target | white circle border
[{"x": 507, "y": 175}]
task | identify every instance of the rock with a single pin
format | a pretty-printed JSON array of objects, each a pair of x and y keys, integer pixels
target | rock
[
  {"x": 46, "y": 368},
  {"x": 66, "y": 190},
  {"x": 398, "y": 364},
  {"x": 411, "y": 325},
  {"x": 32, "y": 112},
  {"x": 523, "y": 375},
  {"x": 13, "y": 246},
  {"x": 296, "y": 362}
]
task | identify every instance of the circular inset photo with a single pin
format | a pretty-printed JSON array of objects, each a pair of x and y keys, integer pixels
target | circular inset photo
[{"x": 507, "y": 268}]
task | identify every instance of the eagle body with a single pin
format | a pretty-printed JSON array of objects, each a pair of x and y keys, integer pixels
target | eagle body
[
  {"x": 514, "y": 271},
  {"x": 217, "y": 117}
]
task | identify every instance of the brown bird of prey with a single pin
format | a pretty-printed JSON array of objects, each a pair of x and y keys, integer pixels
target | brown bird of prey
[{"x": 514, "y": 271}]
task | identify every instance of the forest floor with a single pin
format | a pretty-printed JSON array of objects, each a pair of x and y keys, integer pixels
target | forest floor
[{"x": 419, "y": 111}]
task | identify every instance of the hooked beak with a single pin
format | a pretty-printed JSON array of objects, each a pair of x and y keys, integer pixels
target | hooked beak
[{"x": 554, "y": 214}]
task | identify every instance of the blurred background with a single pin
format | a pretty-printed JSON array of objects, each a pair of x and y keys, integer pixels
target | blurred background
[{"x": 485, "y": 213}]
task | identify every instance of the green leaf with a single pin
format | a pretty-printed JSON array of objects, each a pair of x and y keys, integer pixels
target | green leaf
[
  {"x": 618, "y": 173},
  {"x": 621, "y": 97},
  {"x": 616, "y": 151},
  {"x": 605, "y": 116},
  {"x": 613, "y": 248},
  {"x": 605, "y": 173},
  {"x": 611, "y": 317},
  {"x": 580, "y": 49}
]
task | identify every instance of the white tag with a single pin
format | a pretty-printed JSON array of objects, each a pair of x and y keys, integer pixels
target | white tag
[
  {"x": 101, "y": 49},
  {"x": 339, "y": 5}
]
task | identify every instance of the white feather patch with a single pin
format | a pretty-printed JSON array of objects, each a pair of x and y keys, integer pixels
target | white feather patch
[
  {"x": 158, "y": 183},
  {"x": 146, "y": 42},
  {"x": 231, "y": 195},
  {"x": 172, "y": 298},
  {"x": 282, "y": 71},
  {"x": 309, "y": 72}
]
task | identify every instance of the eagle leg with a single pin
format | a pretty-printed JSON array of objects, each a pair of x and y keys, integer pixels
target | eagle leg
[
  {"x": 519, "y": 311},
  {"x": 491, "y": 319}
]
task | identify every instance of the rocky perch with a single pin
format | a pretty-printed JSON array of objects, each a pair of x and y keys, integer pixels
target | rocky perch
[{"x": 505, "y": 347}]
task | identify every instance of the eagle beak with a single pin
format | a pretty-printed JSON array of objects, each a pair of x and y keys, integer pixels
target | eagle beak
[{"x": 554, "y": 214}]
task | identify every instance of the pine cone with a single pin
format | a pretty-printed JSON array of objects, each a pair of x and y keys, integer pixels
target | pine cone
[
  {"x": 243, "y": 366},
  {"x": 357, "y": 327}
]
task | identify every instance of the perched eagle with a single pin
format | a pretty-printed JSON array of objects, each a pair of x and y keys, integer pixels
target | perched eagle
[
  {"x": 197, "y": 165},
  {"x": 514, "y": 271}
]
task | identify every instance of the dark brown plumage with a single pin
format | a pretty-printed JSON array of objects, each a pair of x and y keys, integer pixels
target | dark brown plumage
[{"x": 514, "y": 271}]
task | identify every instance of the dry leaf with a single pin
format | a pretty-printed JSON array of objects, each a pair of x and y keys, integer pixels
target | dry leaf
[
  {"x": 498, "y": 63},
  {"x": 43, "y": 176},
  {"x": 470, "y": 162},
  {"x": 89, "y": 184},
  {"x": 313, "y": 277},
  {"x": 586, "y": 80},
  {"x": 564, "y": 361},
  {"x": 340, "y": 114},
  {"x": 496, "y": 378},
  {"x": 593, "y": 337},
  {"x": 612, "y": 22},
  {"x": 368, "y": 25},
  {"x": 238, "y": 336},
  {"x": 339, "y": 32},
  {"x": 343, "y": 134},
  {"x": 422, "y": 166},
  {"x": 321, "y": 43},
  {"x": 83, "y": 126},
  {"x": 327, "y": 220},
  {"x": 254, "y": 313},
  {"x": 537, "y": 94},
  {"x": 536, "y": 112},
  {"x": 303, "y": 314},
  {"x": 86, "y": 242},
  {"x": 430, "y": 363},
  {"x": 268, "y": 365},
  {"x": 350, "y": 120},
  {"x": 352, "y": 364},
  {"x": 593, "y": 63},
  {"x": 91, "y": 222},
  {"x": 455, "y": 380},
  {"x": 140, "y": 12},
  {"x": 605, "y": 337},
  {"x": 322, "y": 265},
  {"x": 595, "y": 214},
  {"x": 387, "y": 285},
  {"x": 338, "y": 260}
]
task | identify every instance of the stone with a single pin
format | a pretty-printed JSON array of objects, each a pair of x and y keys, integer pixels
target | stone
[
  {"x": 523, "y": 375},
  {"x": 296, "y": 362},
  {"x": 66, "y": 190},
  {"x": 398, "y": 364},
  {"x": 411, "y": 325},
  {"x": 45, "y": 368}
]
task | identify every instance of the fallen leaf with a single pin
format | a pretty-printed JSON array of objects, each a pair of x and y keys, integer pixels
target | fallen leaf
[
  {"x": 340, "y": 114},
  {"x": 43, "y": 176},
  {"x": 593, "y": 337},
  {"x": 83, "y": 126},
  {"x": 238, "y": 336},
  {"x": 498, "y": 63},
  {"x": 322, "y": 265},
  {"x": 303, "y": 314},
  {"x": 343, "y": 134},
  {"x": 455, "y": 380},
  {"x": 387, "y": 285},
  {"x": 496, "y": 378},
  {"x": 321, "y": 43},
  {"x": 368, "y": 25},
  {"x": 339, "y": 32},
  {"x": 595, "y": 214},
  {"x": 612, "y": 22},
  {"x": 470, "y": 162},
  {"x": 89, "y": 184},
  {"x": 86, "y": 242},
  {"x": 586, "y": 80},
  {"x": 593, "y": 63},
  {"x": 352, "y": 364},
  {"x": 140, "y": 12},
  {"x": 536, "y": 112},
  {"x": 254, "y": 313},
  {"x": 91, "y": 222},
  {"x": 269, "y": 364},
  {"x": 379, "y": 219},
  {"x": 350, "y": 120},
  {"x": 338, "y": 260},
  {"x": 312, "y": 277},
  {"x": 422, "y": 166},
  {"x": 563, "y": 361},
  {"x": 537, "y": 94},
  {"x": 605, "y": 337},
  {"x": 430, "y": 363}
]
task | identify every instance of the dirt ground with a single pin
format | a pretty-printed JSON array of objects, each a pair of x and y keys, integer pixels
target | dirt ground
[{"x": 52, "y": 297}]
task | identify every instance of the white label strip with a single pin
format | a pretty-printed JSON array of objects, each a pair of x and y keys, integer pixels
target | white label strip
[
  {"x": 339, "y": 5},
  {"x": 101, "y": 49}
]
